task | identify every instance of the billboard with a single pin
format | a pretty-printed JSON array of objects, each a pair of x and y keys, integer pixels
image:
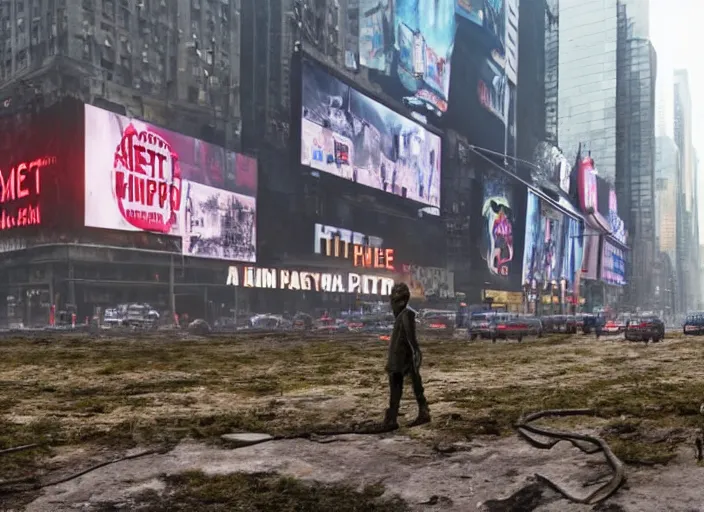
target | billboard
[
  {"x": 544, "y": 242},
  {"x": 531, "y": 253},
  {"x": 139, "y": 177},
  {"x": 351, "y": 136},
  {"x": 587, "y": 185},
  {"x": 572, "y": 254},
  {"x": 427, "y": 282},
  {"x": 218, "y": 223},
  {"x": 409, "y": 44},
  {"x": 613, "y": 264},
  {"x": 618, "y": 227},
  {"x": 499, "y": 220}
]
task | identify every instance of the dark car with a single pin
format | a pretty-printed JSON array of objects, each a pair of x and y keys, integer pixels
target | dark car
[
  {"x": 694, "y": 324},
  {"x": 507, "y": 326},
  {"x": 560, "y": 323},
  {"x": 644, "y": 328},
  {"x": 436, "y": 320},
  {"x": 586, "y": 322},
  {"x": 480, "y": 324}
]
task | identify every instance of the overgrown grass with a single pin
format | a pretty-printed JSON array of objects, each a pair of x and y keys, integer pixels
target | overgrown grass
[
  {"x": 119, "y": 393},
  {"x": 257, "y": 493}
]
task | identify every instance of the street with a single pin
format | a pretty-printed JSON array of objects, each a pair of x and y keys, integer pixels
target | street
[{"x": 88, "y": 401}]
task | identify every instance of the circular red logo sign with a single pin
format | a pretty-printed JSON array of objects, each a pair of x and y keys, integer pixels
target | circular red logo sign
[{"x": 147, "y": 180}]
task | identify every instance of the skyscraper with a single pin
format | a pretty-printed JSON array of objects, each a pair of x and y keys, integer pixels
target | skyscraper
[
  {"x": 687, "y": 225},
  {"x": 637, "y": 177},
  {"x": 140, "y": 58},
  {"x": 667, "y": 162},
  {"x": 587, "y": 85}
]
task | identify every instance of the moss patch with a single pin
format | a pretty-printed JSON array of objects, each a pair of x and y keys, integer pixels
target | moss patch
[{"x": 257, "y": 493}]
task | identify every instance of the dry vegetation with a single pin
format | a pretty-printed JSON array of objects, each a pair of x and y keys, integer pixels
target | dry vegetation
[{"x": 105, "y": 395}]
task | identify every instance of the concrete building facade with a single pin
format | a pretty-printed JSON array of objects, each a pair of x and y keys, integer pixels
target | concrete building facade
[{"x": 141, "y": 58}]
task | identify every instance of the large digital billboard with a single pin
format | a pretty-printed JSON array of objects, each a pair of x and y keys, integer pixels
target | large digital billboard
[
  {"x": 409, "y": 44},
  {"x": 544, "y": 243},
  {"x": 351, "y": 136},
  {"x": 499, "y": 220},
  {"x": 573, "y": 254},
  {"x": 139, "y": 177},
  {"x": 613, "y": 264},
  {"x": 218, "y": 223}
]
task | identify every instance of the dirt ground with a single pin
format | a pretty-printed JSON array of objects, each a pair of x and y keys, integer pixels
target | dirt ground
[{"x": 86, "y": 400}]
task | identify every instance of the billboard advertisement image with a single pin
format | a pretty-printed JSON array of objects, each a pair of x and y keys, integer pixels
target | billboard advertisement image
[
  {"x": 531, "y": 251},
  {"x": 351, "y": 136},
  {"x": 572, "y": 254},
  {"x": 499, "y": 225},
  {"x": 544, "y": 242},
  {"x": 498, "y": 216},
  {"x": 218, "y": 224},
  {"x": 613, "y": 264},
  {"x": 551, "y": 238},
  {"x": 409, "y": 44},
  {"x": 139, "y": 177}
]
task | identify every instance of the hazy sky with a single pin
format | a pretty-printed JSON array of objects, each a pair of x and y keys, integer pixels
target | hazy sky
[{"x": 675, "y": 30}]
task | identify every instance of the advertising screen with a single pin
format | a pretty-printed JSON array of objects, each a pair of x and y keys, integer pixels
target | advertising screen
[
  {"x": 498, "y": 219},
  {"x": 572, "y": 254},
  {"x": 351, "y": 136},
  {"x": 613, "y": 264},
  {"x": 545, "y": 245},
  {"x": 218, "y": 223},
  {"x": 531, "y": 251},
  {"x": 587, "y": 185},
  {"x": 409, "y": 44},
  {"x": 139, "y": 177}
]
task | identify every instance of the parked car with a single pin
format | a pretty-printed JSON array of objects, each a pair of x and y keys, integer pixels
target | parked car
[
  {"x": 644, "y": 328},
  {"x": 693, "y": 324},
  {"x": 302, "y": 321},
  {"x": 270, "y": 322},
  {"x": 480, "y": 324},
  {"x": 436, "y": 320},
  {"x": 586, "y": 323},
  {"x": 515, "y": 326},
  {"x": 616, "y": 326},
  {"x": 559, "y": 323}
]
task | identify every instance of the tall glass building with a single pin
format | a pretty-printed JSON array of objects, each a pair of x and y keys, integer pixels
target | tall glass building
[{"x": 587, "y": 99}]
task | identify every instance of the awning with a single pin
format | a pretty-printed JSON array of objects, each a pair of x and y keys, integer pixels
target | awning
[{"x": 597, "y": 222}]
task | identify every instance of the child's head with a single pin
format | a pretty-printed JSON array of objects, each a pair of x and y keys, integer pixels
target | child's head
[{"x": 400, "y": 294}]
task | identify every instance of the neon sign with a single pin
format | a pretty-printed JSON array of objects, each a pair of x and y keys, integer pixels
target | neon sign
[
  {"x": 22, "y": 184},
  {"x": 298, "y": 280},
  {"x": 361, "y": 255}
]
